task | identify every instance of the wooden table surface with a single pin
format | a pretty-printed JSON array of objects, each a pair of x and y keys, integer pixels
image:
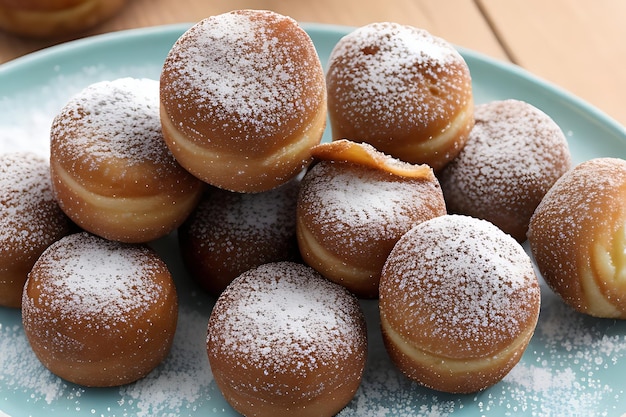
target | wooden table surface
[{"x": 576, "y": 44}]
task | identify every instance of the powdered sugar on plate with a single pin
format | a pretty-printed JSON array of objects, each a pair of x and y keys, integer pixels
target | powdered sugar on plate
[
  {"x": 568, "y": 369},
  {"x": 182, "y": 382},
  {"x": 180, "y": 386},
  {"x": 27, "y": 117},
  {"x": 22, "y": 373}
]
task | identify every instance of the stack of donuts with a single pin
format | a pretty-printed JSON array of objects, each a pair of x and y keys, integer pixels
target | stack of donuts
[{"x": 420, "y": 201}]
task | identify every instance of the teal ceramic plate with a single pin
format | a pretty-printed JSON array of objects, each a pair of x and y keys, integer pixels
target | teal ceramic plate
[{"x": 573, "y": 366}]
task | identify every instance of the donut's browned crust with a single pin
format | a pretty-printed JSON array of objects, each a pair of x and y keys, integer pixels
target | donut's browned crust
[
  {"x": 401, "y": 89},
  {"x": 577, "y": 237},
  {"x": 230, "y": 233},
  {"x": 99, "y": 313},
  {"x": 111, "y": 172},
  {"x": 514, "y": 154},
  {"x": 354, "y": 206},
  {"x": 284, "y": 341},
  {"x": 243, "y": 99},
  {"x": 459, "y": 302},
  {"x": 30, "y": 220}
]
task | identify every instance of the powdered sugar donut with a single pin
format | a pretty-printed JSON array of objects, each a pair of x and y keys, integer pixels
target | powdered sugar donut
[
  {"x": 404, "y": 91},
  {"x": 99, "y": 313},
  {"x": 111, "y": 170},
  {"x": 514, "y": 154},
  {"x": 30, "y": 220},
  {"x": 577, "y": 238},
  {"x": 283, "y": 341},
  {"x": 459, "y": 302},
  {"x": 243, "y": 99},
  {"x": 351, "y": 213},
  {"x": 230, "y": 233}
]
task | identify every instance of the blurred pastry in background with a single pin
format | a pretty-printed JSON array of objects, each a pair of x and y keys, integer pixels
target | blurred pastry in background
[{"x": 54, "y": 18}]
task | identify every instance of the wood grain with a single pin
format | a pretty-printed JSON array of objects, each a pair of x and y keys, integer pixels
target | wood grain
[{"x": 576, "y": 44}]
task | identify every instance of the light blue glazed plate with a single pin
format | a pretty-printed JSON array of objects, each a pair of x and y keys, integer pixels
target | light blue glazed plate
[{"x": 575, "y": 365}]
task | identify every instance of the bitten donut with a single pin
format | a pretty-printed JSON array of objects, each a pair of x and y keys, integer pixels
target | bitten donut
[
  {"x": 283, "y": 341},
  {"x": 243, "y": 113},
  {"x": 54, "y": 18},
  {"x": 353, "y": 207},
  {"x": 30, "y": 220},
  {"x": 577, "y": 237},
  {"x": 112, "y": 173},
  {"x": 514, "y": 154},
  {"x": 99, "y": 313},
  {"x": 230, "y": 233},
  {"x": 459, "y": 302},
  {"x": 404, "y": 91}
]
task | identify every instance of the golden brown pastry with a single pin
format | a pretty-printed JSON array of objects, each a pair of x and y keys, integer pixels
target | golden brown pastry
[
  {"x": 514, "y": 154},
  {"x": 283, "y": 341},
  {"x": 99, "y": 313},
  {"x": 30, "y": 220},
  {"x": 353, "y": 207},
  {"x": 54, "y": 18},
  {"x": 577, "y": 237},
  {"x": 459, "y": 302},
  {"x": 243, "y": 113},
  {"x": 401, "y": 89},
  {"x": 230, "y": 232},
  {"x": 112, "y": 173}
]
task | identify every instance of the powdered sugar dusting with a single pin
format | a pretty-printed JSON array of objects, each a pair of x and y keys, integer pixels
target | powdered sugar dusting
[
  {"x": 29, "y": 216},
  {"x": 223, "y": 42},
  {"x": 238, "y": 231},
  {"x": 23, "y": 373},
  {"x": 385, "y": 75},
  {"x": 283, "y": 317},
  {"x": 572, "y": 367},
  {"x": 262, "y": 213},
  {"x": 180, "y": 386},
  {"x": 352, "y": 202},
  {"x": 459, "y": 281},
  {"x": 247, "y": 72},
  {"x": 355, "y": 205},
  {"x": 112, "y": 119},
  {"x": 82, "y": 277},
  {"x": 514, "y": 154},
  {"x": 597, "y": 183},
  {"x": 29, "y": 114},
  {"x": 569, "y": 375},
  {"x": 568, "y": 370},
  {"x": 184, "y": 378},
  {"x": 584, "y": 210}
]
